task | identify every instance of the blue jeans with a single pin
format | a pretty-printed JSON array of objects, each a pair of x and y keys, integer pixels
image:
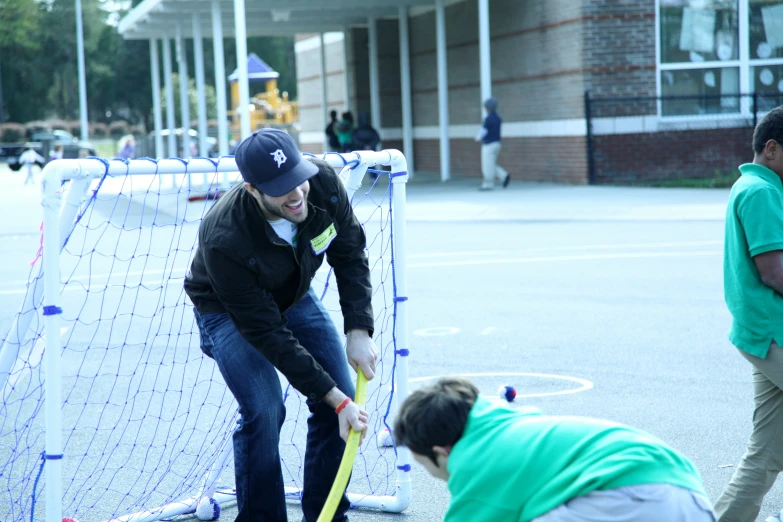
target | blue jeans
[{"x": 256, "y": 387}]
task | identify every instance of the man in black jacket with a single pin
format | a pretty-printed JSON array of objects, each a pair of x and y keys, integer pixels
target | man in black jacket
[{"x": 259, "y": 248}]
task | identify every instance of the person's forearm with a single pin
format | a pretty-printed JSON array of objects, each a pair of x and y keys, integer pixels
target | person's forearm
[
  {"x": 334, "y": 397},
  {"x": 775, "y": 282}
]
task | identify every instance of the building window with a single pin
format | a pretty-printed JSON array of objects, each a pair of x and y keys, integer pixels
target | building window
[{"x": 710, "y": 51}]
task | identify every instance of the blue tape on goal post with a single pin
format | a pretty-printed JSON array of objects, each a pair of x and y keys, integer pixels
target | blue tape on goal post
[{"x": 52, "y": 310}]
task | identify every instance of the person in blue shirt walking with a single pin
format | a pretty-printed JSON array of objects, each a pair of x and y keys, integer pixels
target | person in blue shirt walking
[{"x": 490, "y": 148}]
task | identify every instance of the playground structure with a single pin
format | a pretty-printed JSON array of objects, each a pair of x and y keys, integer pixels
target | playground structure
[{"x": 267, "y": 107}]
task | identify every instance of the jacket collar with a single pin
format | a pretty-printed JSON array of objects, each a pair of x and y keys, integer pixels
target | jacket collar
[
  {"x": 754, "y": 169},
  {"x": 314, "y": 213}
]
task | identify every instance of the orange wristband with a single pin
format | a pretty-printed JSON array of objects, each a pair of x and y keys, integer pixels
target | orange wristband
[{"x": 342, "y": 405}]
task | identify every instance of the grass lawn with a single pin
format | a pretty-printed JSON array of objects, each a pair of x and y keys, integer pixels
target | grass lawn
[
  {"x": 105, "y": 148},
  {"x": 720, "y": 180}
]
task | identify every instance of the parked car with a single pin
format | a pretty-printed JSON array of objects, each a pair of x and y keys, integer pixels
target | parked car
[{"x": 44, "y": 143}]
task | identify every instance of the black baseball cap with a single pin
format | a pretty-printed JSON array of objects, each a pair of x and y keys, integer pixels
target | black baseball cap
[{"x": 270, "y": 160}]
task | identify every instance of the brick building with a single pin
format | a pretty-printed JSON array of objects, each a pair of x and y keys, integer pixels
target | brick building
[{"x": 663, "y": 76}]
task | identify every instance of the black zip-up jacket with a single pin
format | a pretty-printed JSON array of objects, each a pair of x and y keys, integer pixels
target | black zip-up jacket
[{"x": 242, "y": 267}]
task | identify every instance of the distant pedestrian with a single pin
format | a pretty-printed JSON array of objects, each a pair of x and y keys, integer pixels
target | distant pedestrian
[
  {"x": 365, "y": 137},
  {"x": 333, "y": 143},
  {"x": 345, "y": 131},
  {"x": 56, "y": 153},
  {"x": 29, "y": 158},
  {"x": 489, "y": 136},
  {"x": 753, "y": 290},
  {"x": 127, "y": 147}
]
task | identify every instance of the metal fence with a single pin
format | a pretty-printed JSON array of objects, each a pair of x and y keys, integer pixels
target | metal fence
[{"x": 661, "y": 138}]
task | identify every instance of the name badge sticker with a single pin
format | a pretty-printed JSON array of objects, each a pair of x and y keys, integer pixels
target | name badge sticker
[{"x": 322, "y": 241}]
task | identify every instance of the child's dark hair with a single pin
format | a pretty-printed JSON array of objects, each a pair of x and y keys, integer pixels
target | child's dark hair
[
  {"x": 435, "y": 416},
  {"x": 769, "y": 128}
]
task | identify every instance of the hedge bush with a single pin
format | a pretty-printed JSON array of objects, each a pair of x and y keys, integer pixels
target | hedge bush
[
  {"x": 99, "y": 130},
  {"x": 75, "y": 128},
  {"x": 118, "y": 128},
  {"x": 37, "y": 126},
  {"x": 12, "y": 132},
  {"x": 59, "y": 125}
]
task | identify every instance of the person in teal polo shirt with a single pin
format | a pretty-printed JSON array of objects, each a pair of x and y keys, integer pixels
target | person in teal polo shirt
[
  {"x": 753, "y": 288},
  {"x": 505, "y": 464}
]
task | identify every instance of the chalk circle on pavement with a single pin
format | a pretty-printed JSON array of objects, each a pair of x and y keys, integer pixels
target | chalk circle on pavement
[
  {"x": 583, "y": 384},
  {"x": 437, "y": 331}
]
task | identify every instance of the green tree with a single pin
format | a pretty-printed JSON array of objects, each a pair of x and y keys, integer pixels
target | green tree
[
  {"x": 20, "y": 45},
  {"x": 39, "y": 72},
  {"x": 209, "y": 94}
]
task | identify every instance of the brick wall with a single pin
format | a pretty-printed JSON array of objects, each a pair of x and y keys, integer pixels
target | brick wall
[
  {"x": 535, "y": 61},
  {"x": 626, "y": 158},
  {"x": 619, "y": 47},
  {"x": 559, "y": 160}
]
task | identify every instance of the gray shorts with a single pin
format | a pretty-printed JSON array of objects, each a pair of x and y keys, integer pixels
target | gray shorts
[{"x": 645, "y": 503}]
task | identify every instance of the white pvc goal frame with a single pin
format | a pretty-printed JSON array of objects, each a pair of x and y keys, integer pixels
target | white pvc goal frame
[{"x": 60, "y": 211}]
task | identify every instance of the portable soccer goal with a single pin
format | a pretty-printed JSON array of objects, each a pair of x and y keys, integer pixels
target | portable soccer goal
[{"x": 109, "y": 409}]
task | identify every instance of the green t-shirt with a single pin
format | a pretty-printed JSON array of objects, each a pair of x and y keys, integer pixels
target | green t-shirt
[
  {"x": 513, "y": 465},
  {"x": 754, "y": 225}
]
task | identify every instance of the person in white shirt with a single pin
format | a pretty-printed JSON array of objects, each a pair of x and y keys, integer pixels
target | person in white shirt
[{"x": 29, "y": 158}]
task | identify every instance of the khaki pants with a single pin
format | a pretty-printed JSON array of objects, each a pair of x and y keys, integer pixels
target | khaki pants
[
  {"x": 643, "y": 503},
  {"x": 763, "y": 460},
  {"x": 489, "y": 165}
]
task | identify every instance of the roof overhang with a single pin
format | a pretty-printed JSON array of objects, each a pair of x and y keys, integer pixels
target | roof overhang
[{"x": 159, "y": 18}]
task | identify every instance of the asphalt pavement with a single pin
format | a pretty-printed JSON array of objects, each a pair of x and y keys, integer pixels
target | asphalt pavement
[{"x": 596, "y": 301}]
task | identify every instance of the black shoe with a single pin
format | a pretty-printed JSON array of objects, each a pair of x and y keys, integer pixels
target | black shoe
[{"x": 505, "y": 181}]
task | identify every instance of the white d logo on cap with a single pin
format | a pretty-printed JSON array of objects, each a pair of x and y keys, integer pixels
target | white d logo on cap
[{"x": 278, "y": 156}]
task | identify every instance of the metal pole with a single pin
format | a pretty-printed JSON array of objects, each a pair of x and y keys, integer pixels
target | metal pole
[
  {"x": 184, "y": 97},
  {"x": 2, "y": 105},
  {"x": 484, "y": 58},
  {"x": 156, "y": 108},
  {"x": 220, "y": 79},
  {"x": 240, "y": 30},
  {"x": 346, "y": 70},
  {"x": 589, "y": 140},
  {"x": 324, "y": 94},
  {"x": 375, "y": 92},
  {"x": 405, "y": 85},
  {"x": 167, "y": 80},
  {"x": 82, "y": 75},
  {"x": 443, "y": 90},
  {"x": 198, "y": 58}
]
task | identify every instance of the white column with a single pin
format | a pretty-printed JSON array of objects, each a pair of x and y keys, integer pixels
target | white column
[
  {"x": 346, "y": 70},
  {"x": 746, "y": 104},
  {"x": 375, "y": 92},
  {"x": 240, "y": 29},
  {"x": 220, "y": 79},
  {"x": 198, "y": 59},
  {"x": 405, "y": 85},
  {"x": 324, "y": 94},
  {"x": 156, "y": 108},
  {"x": 484, "y": 62},
  {"x": 82, "y": 75},
  {"x": 184, "y": 99},
  {"x": 443, "y": 90},
  {"x": 167, "y": 81}
]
